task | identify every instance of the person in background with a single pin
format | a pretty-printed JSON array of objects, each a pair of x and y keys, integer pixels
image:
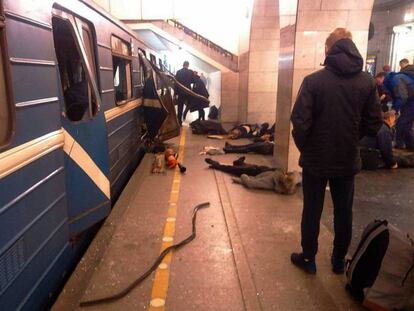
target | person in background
[
  {"x": 404, "y": 63},
  {"x": 382, "y": 142},
  {"x": 383, "y": 95},
  {"x": 386, "y": 68},
  {"x": 185, "y": 77},
  {"x": 197, "y": 103},
  {"x": 400, "y": 85},
  {"x": 334, "y": 108},
  {"x": 204, "y": 79}
]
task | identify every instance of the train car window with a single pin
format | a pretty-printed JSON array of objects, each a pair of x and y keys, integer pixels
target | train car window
[
  {"x": 6, "y": 104},
  {"x": 122, "y": 68},
  {"x": 80, "y": 99}
]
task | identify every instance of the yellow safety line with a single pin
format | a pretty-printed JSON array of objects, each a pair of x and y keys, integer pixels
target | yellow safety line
[{"x": 160, "y": 284}]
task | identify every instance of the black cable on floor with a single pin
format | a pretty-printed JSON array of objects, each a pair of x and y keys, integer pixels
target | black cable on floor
[{"x": 164, "y": 253}]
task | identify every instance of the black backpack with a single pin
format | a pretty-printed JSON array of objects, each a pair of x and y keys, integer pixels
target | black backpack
[{"x": 380, "y": 274}]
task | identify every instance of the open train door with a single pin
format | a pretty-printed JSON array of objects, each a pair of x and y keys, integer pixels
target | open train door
[
  {"x": 159, "y": 110},
  {"x": 86, "y": 148}
]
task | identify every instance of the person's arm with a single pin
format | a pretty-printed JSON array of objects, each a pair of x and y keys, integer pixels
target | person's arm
[
  {"x": 384, "y": 144},
  {"x": 301, "y": 118},
  {"x": 371, "y": 119}
]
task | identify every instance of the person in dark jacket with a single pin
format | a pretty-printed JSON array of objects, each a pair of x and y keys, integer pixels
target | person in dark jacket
[
  {"x": 401, "y": 87},
  {"x": 382, "y": 142},
  {"x": 185, "y": 77},
  {"x": 383, "y": 95},
  {"x": 197, "y": 103},
  {"x": 334, "y": 108}
]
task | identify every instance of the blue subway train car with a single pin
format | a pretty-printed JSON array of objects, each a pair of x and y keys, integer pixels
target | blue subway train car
[{"x": 71, "y": 84}]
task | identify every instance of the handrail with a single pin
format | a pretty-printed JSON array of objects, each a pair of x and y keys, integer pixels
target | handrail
[
  {"x": 200, "y": 38},
  {"x": 174, "y": 23}
]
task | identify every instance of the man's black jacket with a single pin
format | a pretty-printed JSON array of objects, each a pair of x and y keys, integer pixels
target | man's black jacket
[
  {"x": 334, "y": 108},
  {"x": 185, "y": 77}
]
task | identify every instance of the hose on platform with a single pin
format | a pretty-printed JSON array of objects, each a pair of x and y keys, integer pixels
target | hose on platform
[{"x": 164, "y": 253}]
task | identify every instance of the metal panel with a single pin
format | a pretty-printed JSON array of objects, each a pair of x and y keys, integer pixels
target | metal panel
[
  {"x": 35, "y": 121},
  {"x": 19, "y": 34}
]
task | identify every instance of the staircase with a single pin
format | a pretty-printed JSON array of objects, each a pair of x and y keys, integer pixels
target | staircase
[{"x": 200, "y": 44}]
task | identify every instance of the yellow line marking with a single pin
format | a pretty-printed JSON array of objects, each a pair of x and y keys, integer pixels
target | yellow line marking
[{"x": 162, "y": 275}]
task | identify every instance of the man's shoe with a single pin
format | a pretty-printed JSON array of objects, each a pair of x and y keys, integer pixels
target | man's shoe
[
  {"x": 307, "y": 265},
  {"x": 211, "y": 161},
  {"x": 338, "y": 265},
  {"x": 239, "y": 161}
]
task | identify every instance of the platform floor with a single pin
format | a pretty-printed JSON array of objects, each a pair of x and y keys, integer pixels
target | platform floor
[{"x": 240, "y": 257}]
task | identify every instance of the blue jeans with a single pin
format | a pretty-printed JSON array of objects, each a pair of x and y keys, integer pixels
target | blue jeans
[{"x": 404, "y": 135}]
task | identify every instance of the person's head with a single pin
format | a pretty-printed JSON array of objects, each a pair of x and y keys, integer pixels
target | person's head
[
  {"x": 386, "y": 68},
  {"x": 336, "y": 35},
  {"x": 389, "y": 118},
  {"x": 404, "y": 63},
  {"x": 379, "y": 78},
  {"x": 235, "y": 133},
  {"x": 186, "y": 64},
  {"x": 195, "y": 73}
]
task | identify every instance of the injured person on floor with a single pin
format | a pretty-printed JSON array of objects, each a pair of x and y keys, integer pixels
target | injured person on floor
[
  {"x": 259, "y": 176},
  {"x": 376, "y": 152}
]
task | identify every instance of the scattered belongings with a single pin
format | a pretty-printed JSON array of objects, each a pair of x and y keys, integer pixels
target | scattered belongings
[
  {"x": 159, "y": 163},
  {"x": 167, "y": 158},
  {"x": 239, "y": 167},
  {"x": 210, "y": 150},
  {"x": 380, "y": 274},
  {"x": 277, "y": 180}
]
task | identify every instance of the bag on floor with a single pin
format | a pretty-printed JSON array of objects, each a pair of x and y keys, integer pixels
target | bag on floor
[{"x": 380, "y": 273}]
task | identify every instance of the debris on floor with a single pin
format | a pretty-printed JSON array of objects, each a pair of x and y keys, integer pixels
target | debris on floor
[{"x": 210, "y": 150}]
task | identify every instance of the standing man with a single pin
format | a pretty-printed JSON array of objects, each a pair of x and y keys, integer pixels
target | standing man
[
  {"x": 334, "y": 108},
  {"x": 185, "y": 77},
  {"x": 401, "y": 87},
  {"x": 404, "y": 63}
]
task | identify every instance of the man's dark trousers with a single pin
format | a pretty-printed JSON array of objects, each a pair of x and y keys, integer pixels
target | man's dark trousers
[
  {"x": 404, "y": 135},
  {"x": 181, "y": 100},
  {"x": 342, "y": 192}
]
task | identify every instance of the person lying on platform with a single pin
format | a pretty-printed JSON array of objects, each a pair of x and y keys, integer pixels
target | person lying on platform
[
  {"x": 277, "y": 180},
  {"x": 376, "y": 152},
  {"x": 207, "y": 127},
  {"x": 248, "y": 131},
  {"x": 239, "y": 167},
  {"x": 260, "y": 147}
]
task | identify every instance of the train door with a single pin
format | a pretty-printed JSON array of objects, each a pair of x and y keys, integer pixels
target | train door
[{"x": 86, "y": 149}]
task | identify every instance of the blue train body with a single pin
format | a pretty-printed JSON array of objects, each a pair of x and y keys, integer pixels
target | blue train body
[{"x": 59, "y": 175}]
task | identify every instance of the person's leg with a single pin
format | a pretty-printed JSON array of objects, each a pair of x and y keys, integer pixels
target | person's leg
[
  {"x": 408, "y": 121},
  {"x": 186, "y": 110},
  {"x": 313, "y": 198},
  {"x": 342, "y": 192},
  {"x": 201, "y": 114},
  {"x": 399, "y": 131},
  {"x": 261, "y": 148},
  {"x": 180, "y": 104}
]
